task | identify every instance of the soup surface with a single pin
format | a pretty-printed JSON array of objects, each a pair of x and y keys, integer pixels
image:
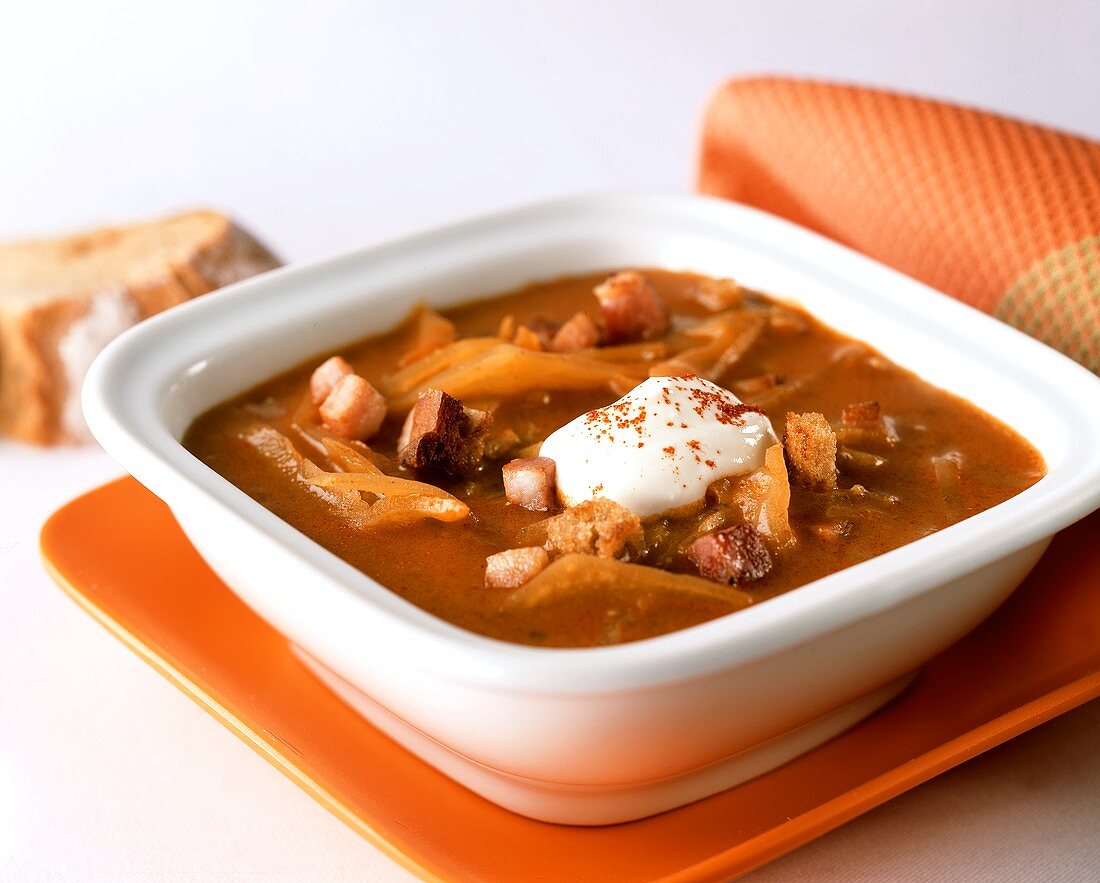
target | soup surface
[{"x": 861, "y": 456}]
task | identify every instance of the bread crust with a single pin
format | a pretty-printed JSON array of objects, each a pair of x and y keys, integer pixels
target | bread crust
[{"x": 46, "y": 340}]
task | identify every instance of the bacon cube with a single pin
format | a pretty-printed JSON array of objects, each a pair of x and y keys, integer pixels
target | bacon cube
[
  {"x": 736, "y": 555},
  {"x": 513, "y": 568},
  {"x": 630, "y": 308},
  {"x": 354, "y": 408},
  {"x": 863, "y": 424},
  {"x": 864, "y": 415},
  {"x": 578, "y": 333},
  {"x": 326, "y": 376},
  {"x": 531, "y": 483}
]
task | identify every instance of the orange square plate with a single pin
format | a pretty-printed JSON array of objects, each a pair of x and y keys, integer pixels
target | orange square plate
[{"x": 119, "y": 554}]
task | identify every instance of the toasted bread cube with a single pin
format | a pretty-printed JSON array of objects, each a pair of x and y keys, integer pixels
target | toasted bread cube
[
  {"x": 736, "y": 555},
  {"x": 441, "y": 435},
  {"x": 531, "y": 483},
  {"x": 354, "y": 408},
  {"x": 432, "y": 436},
  {"x": 578, "y": 333},
  {"x": 325, "y": 377},
  {"x": 595, "y": 527},
  {"x": 810, "y": 444},
  {"x": 630, "y": 308},
  {"x": 513, "y": 568}
]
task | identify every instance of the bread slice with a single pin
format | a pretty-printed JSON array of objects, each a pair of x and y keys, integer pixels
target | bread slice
[{"x": 62, "y": 300}]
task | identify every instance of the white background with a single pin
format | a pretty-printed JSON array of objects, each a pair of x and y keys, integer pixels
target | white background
[{"x": 327, "y": 125}]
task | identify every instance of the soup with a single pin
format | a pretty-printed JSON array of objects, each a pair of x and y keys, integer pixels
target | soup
[{"x": 600, "y": 459}]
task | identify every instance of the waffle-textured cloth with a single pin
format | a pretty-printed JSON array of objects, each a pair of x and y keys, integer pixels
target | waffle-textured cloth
[{"x": 999, "y": 213}]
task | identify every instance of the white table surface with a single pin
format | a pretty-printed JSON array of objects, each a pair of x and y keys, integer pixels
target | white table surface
[{"x": 325, "y": 126}]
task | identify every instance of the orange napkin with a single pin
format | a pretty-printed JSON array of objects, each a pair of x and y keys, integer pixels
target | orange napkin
[{"x": 1001, "y": 214}]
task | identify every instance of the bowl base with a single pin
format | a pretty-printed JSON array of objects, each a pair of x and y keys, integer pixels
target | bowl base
[{"x": 605, "y": 804}]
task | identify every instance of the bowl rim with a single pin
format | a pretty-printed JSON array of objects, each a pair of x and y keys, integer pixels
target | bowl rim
[{"x": 126, "y": 383}]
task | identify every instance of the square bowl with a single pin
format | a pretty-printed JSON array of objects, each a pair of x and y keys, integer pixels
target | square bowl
[{"x": 608, "y": 734}]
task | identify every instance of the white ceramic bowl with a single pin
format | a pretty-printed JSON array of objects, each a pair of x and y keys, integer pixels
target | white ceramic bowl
[{"x": 593, "y": 736}]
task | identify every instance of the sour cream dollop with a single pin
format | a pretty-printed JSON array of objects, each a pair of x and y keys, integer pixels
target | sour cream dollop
[{"x": 660, "y": 446}]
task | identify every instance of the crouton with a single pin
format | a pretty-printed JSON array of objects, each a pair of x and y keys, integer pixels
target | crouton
[
  {"x": 441, "y": 435},
  {"x": 810, "y": 444},
  {"x": 595, "y": 527}
]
